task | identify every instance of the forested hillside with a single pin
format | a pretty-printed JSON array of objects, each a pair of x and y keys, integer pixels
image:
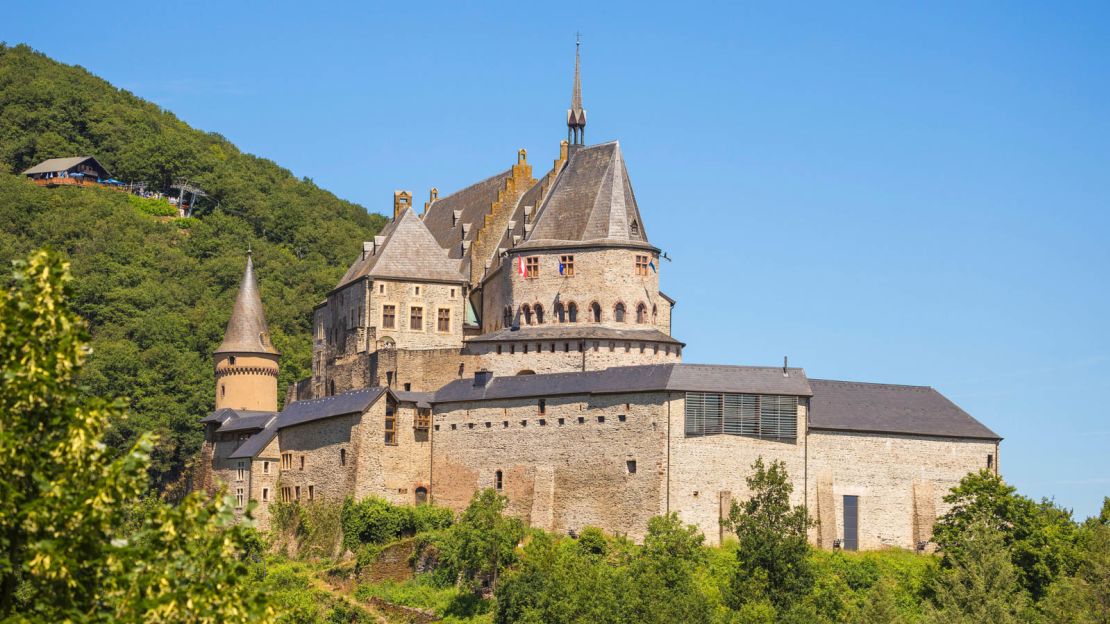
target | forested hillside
[{"x": 157, "y": 294}]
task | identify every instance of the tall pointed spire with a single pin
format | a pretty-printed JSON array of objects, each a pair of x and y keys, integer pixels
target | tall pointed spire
[
  {"x": 576, "y": 115},
  {"x": 247, "y": 331}
]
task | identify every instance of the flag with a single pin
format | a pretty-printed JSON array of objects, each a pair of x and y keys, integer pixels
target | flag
[
  {"x": 520, "y": 265},
  {"x": 561, "y": 265},
  {"x": 652, "y": 265}
]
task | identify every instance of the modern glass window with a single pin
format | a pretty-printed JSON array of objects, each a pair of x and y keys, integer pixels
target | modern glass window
[
  {"x": 389, "y": 316},
  {"x": 753, "y": 415},
  {"x": 416, "y": 318}
]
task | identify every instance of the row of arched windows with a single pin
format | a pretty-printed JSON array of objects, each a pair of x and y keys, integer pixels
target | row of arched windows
[{"x": 533, "y": 314}]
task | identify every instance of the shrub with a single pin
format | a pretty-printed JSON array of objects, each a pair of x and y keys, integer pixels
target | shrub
[
  {"x": 376, "y": 521},
  {"x": 152, "y": 207}
]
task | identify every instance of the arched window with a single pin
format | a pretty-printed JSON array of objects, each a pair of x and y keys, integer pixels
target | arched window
[
  {"x": 421, "y": 495},
  {"x": 526, "y": 314},
  {"x": 595, "y": 312},
  {"x": 508, "y": 316},
  {"x": 641, "y": 313},
  {"x": 618, "y": 313},
  {"x": 654, "y": 312},
  {"x": 342, "y": 457},
  {"x": 560, "y": 312},
  {"x": 635, "y": 229},
  {"x": 572, "y": 312},
  {"x": 526, "y": 371},
  {"x": 539, "y": 314}
]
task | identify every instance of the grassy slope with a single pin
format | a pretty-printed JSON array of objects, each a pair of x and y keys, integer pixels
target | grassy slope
[{"x": 157, "y": 297}]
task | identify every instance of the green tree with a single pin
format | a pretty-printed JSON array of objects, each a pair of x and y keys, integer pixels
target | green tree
[
  {"x": 772, "y": 561},
  {"x": 1040, "y": 537},
  {"x": 72, "y": 547},
  {"x": 981, "y": 583},
  {"x": 484, "y": 540},
  {"x": 663, "y": 575},
  {"x": 1085, "y": 597}
]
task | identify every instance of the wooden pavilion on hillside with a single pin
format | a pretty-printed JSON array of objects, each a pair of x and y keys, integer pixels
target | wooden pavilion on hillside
[{"x": 75, "y": 170}]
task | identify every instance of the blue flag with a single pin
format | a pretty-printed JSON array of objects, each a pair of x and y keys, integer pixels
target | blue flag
[
  {"x": 652, "y": 265},
  {"x": 561, "y": 268}
]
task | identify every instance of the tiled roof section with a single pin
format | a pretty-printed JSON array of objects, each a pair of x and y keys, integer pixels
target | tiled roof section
[
  {"x": 473, "y": 203},
  {"x": 352, "y": 402},
  {"x": 592, "y": 199},
  {"x": 222, "y": 415},
  {"x": 54, "y": 165},
  {"x": 421, "y": 399},
  {"x": 885, "y": 408},
  {"x": 408, "y": 251},
  {"x": 573, "y": 331},
  {"x": 257, "y": 442},
  {"x": 518, "y": 220},
  {"x": 623, "y": 379},
  {"x": 246, "y": 329},
  {"x": 246, "y": 422}
]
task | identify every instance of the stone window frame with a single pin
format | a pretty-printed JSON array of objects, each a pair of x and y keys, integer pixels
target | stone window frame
[
  {"x": 526, "y": 313},
  {"x": 641, "y": 313},
  {"x": 239, "y": 498},
  {"x": 642, "y": 265},
  {"x": 537, "y": 309},
  {"x": 342, "y": 457},
  {"x": 416, "y": 313},
  {"x": 390, "y": 425},
  {"x": 568, "y": 265},
  {"x": 311, "y": 492},
  {"x": 499, "y": 480},
  {"x": 265, "y": 495},
  {"x": 559, "y": 313},
  {"x": 507, "y": 316},
  {"x": 620, "y": 312},
  {"x": 286, "y": 461},
  {"x": 286, "y": 494},
  {"x": 596, "y": 312},
  {"x": 265, "y": 467},
  {"x": 441, "y": 321},
  {"x": 531, "y": 267},
  {"x": 241, "y": 470},
  {"x": 393, "y": 322}
]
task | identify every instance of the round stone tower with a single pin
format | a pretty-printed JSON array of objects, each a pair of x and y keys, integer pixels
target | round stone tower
[{"x": 246, "y": 362}]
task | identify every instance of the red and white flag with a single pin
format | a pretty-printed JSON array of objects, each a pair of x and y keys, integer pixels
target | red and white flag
[{"x": 520, "y": 265}]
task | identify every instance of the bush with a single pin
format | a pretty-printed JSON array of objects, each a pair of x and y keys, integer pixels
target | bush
[
  {"x": 376, "y": 521},
  {"x": 152, "y": 207}
]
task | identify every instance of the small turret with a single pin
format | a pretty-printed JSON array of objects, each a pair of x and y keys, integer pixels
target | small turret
[{"x": 246, "y": 362}]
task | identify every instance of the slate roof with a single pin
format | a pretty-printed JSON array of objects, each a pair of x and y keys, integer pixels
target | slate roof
[
  {"x": 645, "y": 378},
  {"x": 257, "y": 442},
  {"x": 573, "y": 331},
  {"x": 352, "y": 402},
  {"x": 246, "y": 329},
  {"x": 421, "y": 399},
  {"x": 474, "y": 203},
  {"x": 408, "y": 251},
  {"x": 591, "y": 200},
  {"x": 246, "y": 422},
  {"x": 55, "y": 165},
  {"x": 886, "y": 408},
  {"x": 222, "y": 415}
]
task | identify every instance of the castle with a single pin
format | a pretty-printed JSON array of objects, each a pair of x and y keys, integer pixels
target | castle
[{"x": 513, "y": 336}]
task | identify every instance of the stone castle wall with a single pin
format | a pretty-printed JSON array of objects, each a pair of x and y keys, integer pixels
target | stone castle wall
[
  {"x": 565, "y": 356},
  {"x": 563, "y": 469},
  {"x": 603, "y": 275}
]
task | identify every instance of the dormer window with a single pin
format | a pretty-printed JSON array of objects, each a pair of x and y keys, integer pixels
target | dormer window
[{"x": 635, "y": 229}]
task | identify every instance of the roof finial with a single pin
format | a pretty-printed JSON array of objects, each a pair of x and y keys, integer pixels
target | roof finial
[{"x": 576, "y": 115}]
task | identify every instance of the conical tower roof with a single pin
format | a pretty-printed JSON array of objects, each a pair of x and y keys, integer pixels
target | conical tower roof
[
  {"x": 576, "y": 115},
  {"x": 246, "y": 329}
]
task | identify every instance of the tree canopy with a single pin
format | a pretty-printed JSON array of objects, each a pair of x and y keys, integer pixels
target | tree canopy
[{"x": 156, "y": 297}]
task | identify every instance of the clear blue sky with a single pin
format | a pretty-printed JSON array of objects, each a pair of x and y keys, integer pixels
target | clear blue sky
[{"x": 883, "y": 193}]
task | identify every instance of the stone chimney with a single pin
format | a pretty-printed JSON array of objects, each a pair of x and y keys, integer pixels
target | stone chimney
[{"x": 402, "y": 200}]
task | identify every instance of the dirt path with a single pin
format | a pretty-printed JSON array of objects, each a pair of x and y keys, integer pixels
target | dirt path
[{"x": 382, "y": 611}]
